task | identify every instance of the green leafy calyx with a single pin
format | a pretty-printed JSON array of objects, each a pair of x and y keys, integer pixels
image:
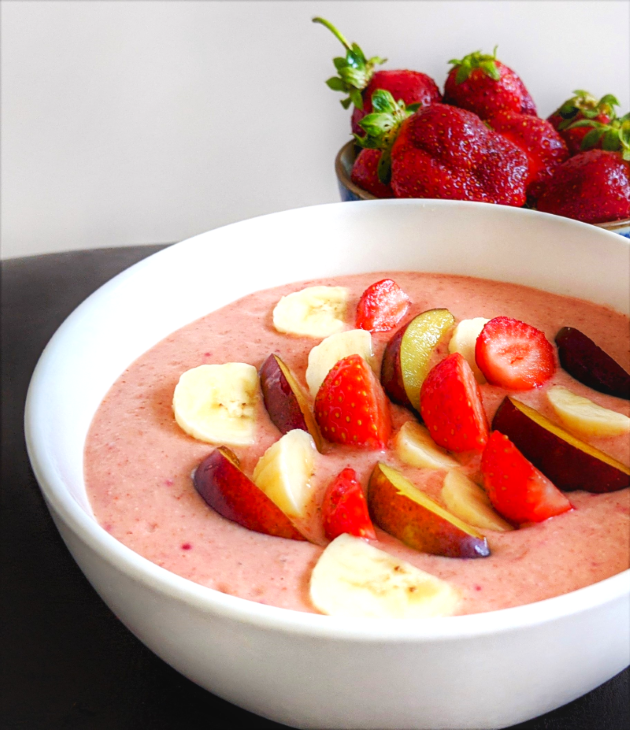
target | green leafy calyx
[
  {"x": 614, "y": 136},
  {"x": 587, "y": 106},
  {"x": 485, "y": 61},
  {"x": 353, "y": 72},
  {"x": 381, "y": 128}
]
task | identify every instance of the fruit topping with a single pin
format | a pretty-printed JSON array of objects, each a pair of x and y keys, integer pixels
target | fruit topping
[
  {"x": 482, "y": 84},
  {"x": 407, "y": 513},
  {"x": 414, "y": 446},
  {"x": 356, "y": 580},
  {"x": 592, "y": 186},
  {"x": 451, "y": 407},
  {"x": 514, "y": 355},
  {"x": 324, "y": 356},
  {"x": 284, "y": 472},
  {"x": 344, "y": 508},
  {"x": 517, "y": 490},
  {"x": 351, "y": 407},
  {"x": 286, "y": 403},
  {"x": 584, "y": 417},
  {"x": 224, "y": 487},
  {"x": 217, "y": 403},
  {"x": 407, "y": 357},
  {"x": 464, "y": 339},
  {"x": 317, "y": 311},
  {"x": 382, "y": 306},
  {"x": 569, "y": 462},
  {"x": 589, "y": 364},
  {"x": 470, "y": 503}
]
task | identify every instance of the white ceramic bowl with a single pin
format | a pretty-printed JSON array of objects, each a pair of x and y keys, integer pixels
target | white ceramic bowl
[{"x": 481, "y": 671}]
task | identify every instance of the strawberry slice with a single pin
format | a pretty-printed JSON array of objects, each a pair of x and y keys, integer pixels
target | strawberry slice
[
  {"x": 382, "y": 306},
  {"x": 451, "y": 407},
  {"x": 514, "y": 355},
  {"x": 344, "y": 508},
  {"x": 516, "y": 488},
  {"x": 351, "y": 407}
]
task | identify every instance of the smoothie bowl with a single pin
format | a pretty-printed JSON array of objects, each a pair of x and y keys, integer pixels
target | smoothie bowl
[{"x": 475, "y": 668}]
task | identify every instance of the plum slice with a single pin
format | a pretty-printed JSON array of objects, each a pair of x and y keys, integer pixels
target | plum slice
[
  {"x": 566, "y": 460},
  {"x": 590, "y": 365}
]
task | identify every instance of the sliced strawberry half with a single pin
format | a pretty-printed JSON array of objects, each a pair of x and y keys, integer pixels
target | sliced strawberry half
[
  {"x": 351, "y": 407},
  {"x": 451, "y": 407},
  {"x": 514, "y": 355},
  {"x": 344, "y": 508},
  {"x": 517, "y": 490},
  {"x": 382, "y": 306}
]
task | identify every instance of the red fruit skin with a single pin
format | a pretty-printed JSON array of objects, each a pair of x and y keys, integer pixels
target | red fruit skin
[
  {"x": 412, "y": 87},
  {"x": 451, "y": 406},
  {"x": 543, "y": 145},
  {"x": 381, "y": 306},
  {"x": 445, "y": 152},
  {"x": 486, "y": 97},
  {"x": 365, "y": 174},
  {"x": 592, "y": 186},
  {"x": 517, "y": 490},
  {"x": 351, "y": 407},
  {"x": 573, "y": 137},
  {"x": 226, "y": 489},
  {"x": 514, "y": 355},
  {"x": 344, "y": 508}
]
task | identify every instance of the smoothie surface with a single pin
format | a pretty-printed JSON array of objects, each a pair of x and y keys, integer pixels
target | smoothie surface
[{"x": 138, "y": 462}]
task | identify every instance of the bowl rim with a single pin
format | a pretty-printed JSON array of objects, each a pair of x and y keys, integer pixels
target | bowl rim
[
  {"x": 211, "y": 601},
  {"x": 348, "y": 149}
]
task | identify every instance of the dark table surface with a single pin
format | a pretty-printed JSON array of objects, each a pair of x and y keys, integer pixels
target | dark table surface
[{"x": 67, "y": 662}]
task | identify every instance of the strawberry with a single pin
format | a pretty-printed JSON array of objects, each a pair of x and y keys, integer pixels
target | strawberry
[
  {"x": 593, "y": 186},
  {"x": 544, "y": 147},
  {"x": 382, "y": 306},
  {"x": 344, "y": 508},
  {"x": 358, "y": 78},
  {"x": 514, "y": 355},
  {"x": 365, "y": 174},
  {"x": 482, "y": 84},
  {"x": 517, "y": 490},
  {"x": 445, "y": 152},
  {"x": 451, "y": 407},
  {"x": 582, "y": 106},
  {"x": 351, "y": 407}
]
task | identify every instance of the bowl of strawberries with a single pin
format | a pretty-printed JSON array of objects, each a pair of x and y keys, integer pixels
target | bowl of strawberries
[{"x": 481, "y": 140}]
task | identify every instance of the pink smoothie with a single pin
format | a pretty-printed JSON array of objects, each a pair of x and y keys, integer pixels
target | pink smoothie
[{"x": 138, "y": 462}]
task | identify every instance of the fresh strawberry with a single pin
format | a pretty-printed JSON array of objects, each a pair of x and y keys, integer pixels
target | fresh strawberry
[
  {"x": 365, "y": 174},
  {"x": 451, "y": 407},
  {"x": 358, "y": 78},
  {"x": 517, "y": 490},
  {"x": 544, "y": 147},
  {"x": 351, "y": 407},
  {"x": 382, "y": 306},
  {"x": 514, "y": 355},
  {"x": 344, "y": 508},
  {"x": 482, "y": 84},
  {"x": 445, "y": 152},
  {"x": 583, "y": 106},
  {"x": 593, "y": 186}
]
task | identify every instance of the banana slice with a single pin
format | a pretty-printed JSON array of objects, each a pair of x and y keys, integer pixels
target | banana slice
[
  {"x": 323, "y": 357},
  {"x": 585, "y": 418},
  {"x": 284, "y": 471},
  {"x": 470, "y": 503},
  {"x": 317, "y": 311},
  {"x": 355, "y": 580},
  {"x": 413, "y": 445},
  {"x": 464, "y": 340},
  {"x": 217, "y": 403}
]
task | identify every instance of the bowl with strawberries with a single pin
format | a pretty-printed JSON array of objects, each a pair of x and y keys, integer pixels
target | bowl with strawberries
[
  {"x": 482, "y": 140},
  {"x": 386, "y": 485}
]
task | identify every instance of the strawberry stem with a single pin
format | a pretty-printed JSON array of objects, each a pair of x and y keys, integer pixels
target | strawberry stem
[
  {"x": 484, "y": 61},
  {"x": 335, "y": 31}
]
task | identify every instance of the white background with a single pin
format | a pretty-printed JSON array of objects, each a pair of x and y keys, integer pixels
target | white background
[{"x": 147, "y": 122}]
